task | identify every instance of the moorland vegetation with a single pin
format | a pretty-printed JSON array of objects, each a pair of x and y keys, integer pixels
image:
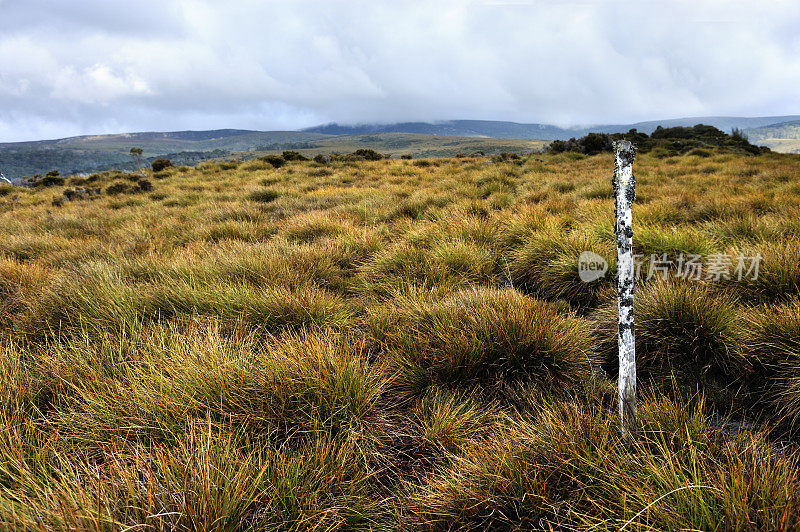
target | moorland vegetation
[{"x": 351, "y": 344}]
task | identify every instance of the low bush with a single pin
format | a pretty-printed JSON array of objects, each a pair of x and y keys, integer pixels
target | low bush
[
  {"x": 368, "y": 154},
  {"x": 276, "y": 161},
  {"x": 118, "y": 188},
  {"x": 160, "y": 164},
  {"x": 289, "y": 155}
]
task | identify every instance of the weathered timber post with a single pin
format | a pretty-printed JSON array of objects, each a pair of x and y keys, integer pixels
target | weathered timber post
[{"x": 625, "y": 194}]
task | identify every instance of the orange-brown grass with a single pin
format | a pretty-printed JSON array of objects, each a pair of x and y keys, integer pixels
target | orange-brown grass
[{"x": 396, "y": 345}]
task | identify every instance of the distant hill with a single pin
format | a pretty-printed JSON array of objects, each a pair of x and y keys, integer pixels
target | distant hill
[
  {"x": 102, "y": 152},
  {"x": 495, "y": 129},
  {"x": 457, "y": 128},
  {"x": 782, "y": 136},
  {"x": 419, "y": 145},
  {"x": 92, "y": 153}
]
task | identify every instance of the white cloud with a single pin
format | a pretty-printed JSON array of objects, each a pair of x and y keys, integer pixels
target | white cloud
[{"x": 108, "y": 66}]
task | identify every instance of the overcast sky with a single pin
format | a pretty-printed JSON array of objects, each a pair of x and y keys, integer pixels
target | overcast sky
[{"x": 104, "y": 66}]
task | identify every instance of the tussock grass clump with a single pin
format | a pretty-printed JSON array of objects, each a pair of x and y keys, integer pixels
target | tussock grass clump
[
  {"x": 772, "y": 337},
  {"x": 263, "y": 196},
  {"x": 546, "y": 265},
  {"x": 309, "y": 228},
  {"x": 778, "y": 273},
  {"x": 483, "y": 337},
  {"x": 277, "y": 264},
  {"x": 567, "y": 469},
  {"x": 393, "y": 268},
  {"x": 680, "y": 327},
  {"x": 465, "y": 260},
  {"x": 449, "y": 420},
  {"x": 653, "y": 240},
  {"x": 213, "y": 479}
]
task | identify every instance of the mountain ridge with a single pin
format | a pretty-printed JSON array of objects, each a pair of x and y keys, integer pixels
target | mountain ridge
[
  {"x": 90, "y": 153},
  {"x": 505, "y": 129}
]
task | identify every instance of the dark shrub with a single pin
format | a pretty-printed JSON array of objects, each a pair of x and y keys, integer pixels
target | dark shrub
[
  {"x": 50, "y": 179},
  {"x": 263, "y": 196},
  {"x": 322, "y": 159},
  {"x": 505, "y": 157},
  {"x": 699, "y": 131},
  {"x": 595, "y": 143},
  {"x": 118, "y": 188},
  {"x": 739, "y": 135},
  {"x": 160, "y": 164},
  {"x": 590, "y": 144},
  {"x": 275, "y": 160},
  {"x": 407, "y": 156},
  {"x": 558, "y": 146},
  {"x": 145, "y": 185},
  {"x": 294, "y": 156},
  {"x": 369, "y": 155}
]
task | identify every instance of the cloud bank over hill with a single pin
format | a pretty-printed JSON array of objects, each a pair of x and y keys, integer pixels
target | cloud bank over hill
[{"x": 101, "y": 67}]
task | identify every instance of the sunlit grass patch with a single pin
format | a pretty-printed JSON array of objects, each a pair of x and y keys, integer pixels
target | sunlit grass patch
[
  {"x": 308, "y": 228},
  {"x": 465, "y": 260},
  {"x": 449, "y": 421},
  {"x": 674, "y": 241},
  {"x": 97, "y": 298},
  {"x": 399, "y": 265}
]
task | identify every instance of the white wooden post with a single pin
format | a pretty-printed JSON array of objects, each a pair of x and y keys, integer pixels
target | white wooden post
[
  {"x": 4, "y": 178},
  {"x": 625, "y": 194}
]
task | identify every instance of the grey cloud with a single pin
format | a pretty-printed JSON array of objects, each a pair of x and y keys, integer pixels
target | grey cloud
[{"x": 105, "y": 66}]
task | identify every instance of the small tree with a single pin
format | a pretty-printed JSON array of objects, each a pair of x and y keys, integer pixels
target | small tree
[{"x": 136, "y": 153}]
